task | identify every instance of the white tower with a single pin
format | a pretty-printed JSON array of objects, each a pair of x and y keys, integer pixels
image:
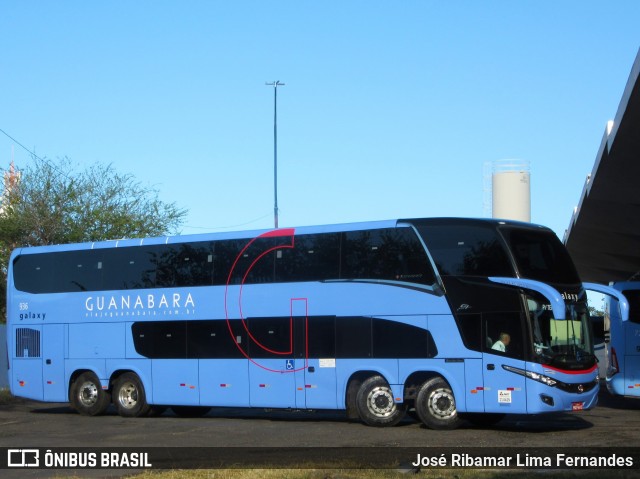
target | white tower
[{"x": 511, "y": 190}]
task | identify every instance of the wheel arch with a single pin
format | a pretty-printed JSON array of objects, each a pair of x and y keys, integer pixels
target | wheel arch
[
  {"x": 144, "y": 380},
  {"x": 417, "y": 378},
  {"x": 353, "y": 383},
  {"x": 80, "y": 371},
  {"x": 87, "y": 393}
]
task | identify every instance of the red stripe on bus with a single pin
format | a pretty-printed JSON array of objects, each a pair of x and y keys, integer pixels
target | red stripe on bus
[{"x": 582, "y": 371}]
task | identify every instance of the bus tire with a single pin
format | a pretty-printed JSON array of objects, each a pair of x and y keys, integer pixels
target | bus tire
[
  {"x": 436, "y": 405},
  {"x": 375, "y": 403},
  {"x": 191, "y": 411},
  {"x": 129, "y": 397},
  {"x": 87, "y": 396}
]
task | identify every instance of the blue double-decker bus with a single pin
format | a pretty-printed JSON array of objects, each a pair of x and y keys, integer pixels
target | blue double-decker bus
[{"x": 447, "y": 317}]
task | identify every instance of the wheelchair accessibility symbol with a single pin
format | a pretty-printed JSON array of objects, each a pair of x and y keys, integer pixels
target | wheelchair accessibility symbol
[{"x": 289, "y": 365}]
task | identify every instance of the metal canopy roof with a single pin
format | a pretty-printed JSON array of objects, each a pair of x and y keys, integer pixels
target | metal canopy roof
[{"x": 604, "y": 235}]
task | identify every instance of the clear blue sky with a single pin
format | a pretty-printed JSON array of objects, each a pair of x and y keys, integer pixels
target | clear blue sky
[{"x": 390, "y": 109}]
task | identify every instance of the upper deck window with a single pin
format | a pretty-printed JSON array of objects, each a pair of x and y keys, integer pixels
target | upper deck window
[
  {"x": 390, "y": 254},
  {"x": 540, "y": 255},
  {"x": 467, "y": 250}
]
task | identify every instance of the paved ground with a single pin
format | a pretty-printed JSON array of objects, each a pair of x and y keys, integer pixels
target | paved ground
[{"x": 614, "y": 423}]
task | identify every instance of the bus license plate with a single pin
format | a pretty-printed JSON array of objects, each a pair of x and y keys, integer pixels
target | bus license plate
[{"x": 577, "y": 406}]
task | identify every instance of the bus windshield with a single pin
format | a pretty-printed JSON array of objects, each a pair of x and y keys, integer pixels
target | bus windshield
[
  {"x": 539, "y": 255},
  {"x": 566, "y": 343},
  {"x": 465, "y": 249}
]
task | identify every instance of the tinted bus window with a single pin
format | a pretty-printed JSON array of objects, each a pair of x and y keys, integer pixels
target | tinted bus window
[
  {"x": 167, "y": 339},
  {"x": 496, "y": 324},
  {"x": 470, "y": 325},
  {"x": 633, "y": 297},
  {"x": 257, "y": 264},
  {"x": 225, "y": 254},
  {"x": 386, "y": 254},
  {"x": 466, "y": 250},
  {"x": 397, "y": 340},
  {"x": 541, "y": 256},
  {"x": 315, "y": 257},
  {"x": 129, "y": 268},
  {"x": 212, "y": 339},
  {"x": 187, "y": 264},
  {"x": 270, "y": 338},
  {"x": 78, "y": 271},
  {"x": 320, "y": 338},
  {"x": 353, "y": 337},
  {"x": 34, "y": 272}
]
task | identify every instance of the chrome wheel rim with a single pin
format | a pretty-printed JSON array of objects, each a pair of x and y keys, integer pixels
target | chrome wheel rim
[
  {"x": 128, "y": 395},
  {"x": 380, "y": 402},
  {"x": 442, "y": 404},
  {"x": 88, "y": 394}
]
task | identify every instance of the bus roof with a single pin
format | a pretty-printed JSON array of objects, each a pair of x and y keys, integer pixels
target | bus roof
[
  {"x": 177, "y": 239},
  {"x": 247, "y": 234}
]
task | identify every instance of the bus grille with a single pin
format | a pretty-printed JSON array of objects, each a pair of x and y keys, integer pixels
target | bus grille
[
  {"x": 577, "y": 388},
  {"x": 27, "y": 343}
]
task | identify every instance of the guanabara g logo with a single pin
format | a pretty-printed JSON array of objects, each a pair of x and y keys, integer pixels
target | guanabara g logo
[{"x": 256, "y": 250}]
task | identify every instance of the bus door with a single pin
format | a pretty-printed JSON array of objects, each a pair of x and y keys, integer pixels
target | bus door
[
  {"x": 272, "y": 366},
  {"x": 53, "y": 344},
  {"x": 316, "y": 362},
  {"x": 293, "y": 361},
  {"x": 504, "y": 391}
]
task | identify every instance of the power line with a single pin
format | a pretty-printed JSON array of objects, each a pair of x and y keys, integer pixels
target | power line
[
  {"x": 33, "y": 155},
  {"x": 44, "y": 160},
  {"x": 21, "y": 145}
]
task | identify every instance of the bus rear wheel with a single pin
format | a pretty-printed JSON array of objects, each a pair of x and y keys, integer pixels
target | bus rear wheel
[
  {"x": 129, "y": 397},
  {"x": 375, "y": 403},
  {"x": 436, "y": 405},
  {"x": 87, "y": 396}
]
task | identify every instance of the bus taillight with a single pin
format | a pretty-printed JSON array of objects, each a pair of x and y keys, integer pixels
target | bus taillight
[{"x": 613, "y": 364}]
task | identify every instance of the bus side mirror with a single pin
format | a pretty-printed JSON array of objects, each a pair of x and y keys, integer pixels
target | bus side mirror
[
  {"x": 623, "y": 304},
  {"x": 554, "y": 297}
]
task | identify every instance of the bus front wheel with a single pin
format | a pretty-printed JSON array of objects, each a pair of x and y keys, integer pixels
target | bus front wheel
[
  {"x": 87, "y": 396},
  {"x": 436, "y": 405},
  {"x": 375, "y": 403},
  {"x": 129, "y": 397}
]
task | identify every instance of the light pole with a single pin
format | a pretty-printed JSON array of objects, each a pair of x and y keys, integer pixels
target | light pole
[{"x": 275, "y": 85}]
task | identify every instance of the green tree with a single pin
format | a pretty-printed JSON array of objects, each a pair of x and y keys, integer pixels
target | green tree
[{"x": 54, "y": 203}]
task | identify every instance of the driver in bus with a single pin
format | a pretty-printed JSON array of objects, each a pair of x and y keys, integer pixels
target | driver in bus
[{"x": 502, "y": 343}]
